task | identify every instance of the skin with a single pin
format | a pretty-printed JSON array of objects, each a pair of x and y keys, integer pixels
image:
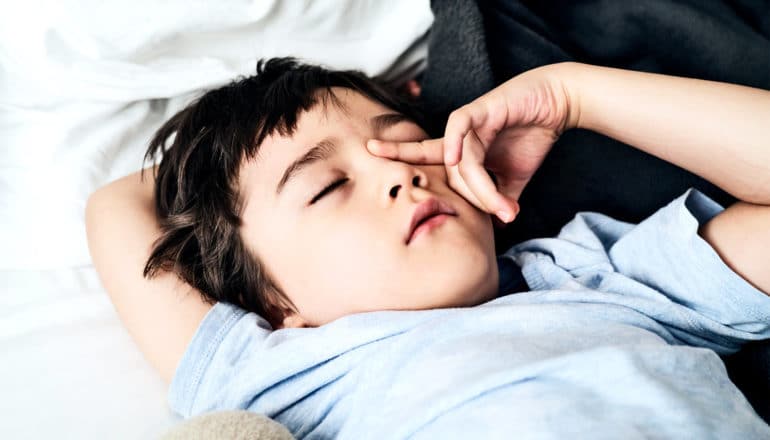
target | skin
[
  {"x": 716, "y": 130},
  {"x": 350, "y": 243}
]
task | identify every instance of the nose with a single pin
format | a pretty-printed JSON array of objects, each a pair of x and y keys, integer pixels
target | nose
[{"x": 405, "y": 177}]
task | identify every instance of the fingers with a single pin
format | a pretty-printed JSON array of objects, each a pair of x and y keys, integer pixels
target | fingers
[
  {"x": 458, "y": 185},
  {"x": 428, "y": 152},
  {"x": 478, "y": 181},
  {"x": 458, "y": 125},
  {"x": 486, "y": 116},
  {"x": 467, "y": 175}
]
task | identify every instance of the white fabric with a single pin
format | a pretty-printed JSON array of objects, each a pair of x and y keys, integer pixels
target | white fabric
[
  {"x": 118, "y": 51},
  {"x": 83, "y": 85},
  {"x": 69, "y": 369},
  {"x": 83, "y": 81}
]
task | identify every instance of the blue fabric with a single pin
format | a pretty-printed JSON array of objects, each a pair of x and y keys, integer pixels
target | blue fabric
[{"x": 618, "y": 338}]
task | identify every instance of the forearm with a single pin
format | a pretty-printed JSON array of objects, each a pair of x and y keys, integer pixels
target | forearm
[
  {"x": 162, "y": 313},
  {"x": 718, "y": 131}
]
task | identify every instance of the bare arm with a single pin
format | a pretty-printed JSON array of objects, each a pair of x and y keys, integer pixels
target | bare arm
[
  {"x": 741, "y": 236},
  {"x": 161, "y": 314},
  {"x": 718, "y": 131}
]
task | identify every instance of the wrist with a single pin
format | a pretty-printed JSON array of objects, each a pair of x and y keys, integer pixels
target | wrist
[
  {"x": 564, "y": 83},
  {"x": 569, "y": 76}
]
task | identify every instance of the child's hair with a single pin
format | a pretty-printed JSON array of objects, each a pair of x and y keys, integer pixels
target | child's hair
[{"x": 196, "y": 190}]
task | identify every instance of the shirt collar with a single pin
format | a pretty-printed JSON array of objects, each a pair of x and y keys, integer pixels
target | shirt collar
[{"x": 511, "y": 279}]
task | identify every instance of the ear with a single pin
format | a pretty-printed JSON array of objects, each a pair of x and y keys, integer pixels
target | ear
[
  {"x": 294, "y": 320},
  {"x": 413, "y": 88}
]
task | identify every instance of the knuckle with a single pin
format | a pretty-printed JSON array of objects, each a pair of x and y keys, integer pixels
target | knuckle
[
  {"x": 459, "y": 118},
  {"x": 462, "y": 168},
  {"x": 420, "y": 151}
]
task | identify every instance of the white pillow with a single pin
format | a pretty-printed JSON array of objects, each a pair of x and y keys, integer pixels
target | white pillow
[{"x": 83, "y": 84}]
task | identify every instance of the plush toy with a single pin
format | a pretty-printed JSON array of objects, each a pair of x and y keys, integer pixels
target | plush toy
[{"x": 229, "y": 425}]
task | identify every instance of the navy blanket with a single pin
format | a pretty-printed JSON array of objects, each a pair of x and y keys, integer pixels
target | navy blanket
[{"x": 474, "y": 46}]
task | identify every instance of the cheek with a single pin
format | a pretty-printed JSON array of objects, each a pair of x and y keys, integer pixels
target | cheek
[
  {"x": 354, "y": 249},
  {"x": 479, "y": 221},
  {"x": 342, "y": 273},
  {"x": 484, "y": 222}
]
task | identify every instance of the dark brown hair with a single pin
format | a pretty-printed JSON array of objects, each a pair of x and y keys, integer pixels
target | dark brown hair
[{"x": 196, "y": 189}]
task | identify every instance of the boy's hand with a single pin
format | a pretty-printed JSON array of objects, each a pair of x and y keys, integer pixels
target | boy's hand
[{"x": 506, "y": 132}]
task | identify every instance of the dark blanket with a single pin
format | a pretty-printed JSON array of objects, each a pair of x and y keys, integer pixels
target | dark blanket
[{"x": 474, "y": 47}]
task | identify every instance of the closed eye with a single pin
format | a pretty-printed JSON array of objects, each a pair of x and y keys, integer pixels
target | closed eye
[{"x": 331, "y": 187}]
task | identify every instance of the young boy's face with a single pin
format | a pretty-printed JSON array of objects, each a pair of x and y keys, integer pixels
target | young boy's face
[{"x": 346, "y": 252}]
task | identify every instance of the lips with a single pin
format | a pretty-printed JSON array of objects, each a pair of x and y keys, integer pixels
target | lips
[{"x": 425, "y": 210}]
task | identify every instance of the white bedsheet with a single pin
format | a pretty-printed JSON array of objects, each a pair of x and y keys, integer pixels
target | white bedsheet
[
  {"x": 83, "y": 85},
  {"x": 69, "y": 369}
]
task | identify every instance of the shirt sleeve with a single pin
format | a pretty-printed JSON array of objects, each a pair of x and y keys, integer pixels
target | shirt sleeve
[
  {"x": 225, "y": 336},
  {"x": 661, "y": 267}
]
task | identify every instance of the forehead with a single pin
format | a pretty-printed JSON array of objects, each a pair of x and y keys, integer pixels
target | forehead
[
  {"x": 339, "y": 109},
  {"x": 345, "y": 104},
  {"x": 339, "y": 113},
  {"x": 336, "y": 113}
]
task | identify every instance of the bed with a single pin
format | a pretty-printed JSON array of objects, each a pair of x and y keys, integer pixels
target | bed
[
  {"x": 84, "y": 84},
  {"x": 82, "y": 87}
]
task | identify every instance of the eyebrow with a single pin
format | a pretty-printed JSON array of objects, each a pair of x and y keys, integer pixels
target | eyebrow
[{"x": 325, "y": 149}]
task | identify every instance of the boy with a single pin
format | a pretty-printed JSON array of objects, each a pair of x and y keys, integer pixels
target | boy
[{"x": 352, "y": 274}]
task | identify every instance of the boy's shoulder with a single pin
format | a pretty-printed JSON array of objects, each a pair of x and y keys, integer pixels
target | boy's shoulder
[{"x": 594, "y": 239}]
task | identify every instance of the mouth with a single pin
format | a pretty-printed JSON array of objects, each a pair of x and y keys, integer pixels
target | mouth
[{"x": 430, "y": 212}]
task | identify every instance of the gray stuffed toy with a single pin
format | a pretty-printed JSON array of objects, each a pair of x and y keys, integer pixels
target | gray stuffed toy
[{"x": 229, "y": 425}]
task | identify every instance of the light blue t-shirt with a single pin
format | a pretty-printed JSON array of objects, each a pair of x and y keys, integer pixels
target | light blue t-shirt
[{"x": 618, "y": 338}]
